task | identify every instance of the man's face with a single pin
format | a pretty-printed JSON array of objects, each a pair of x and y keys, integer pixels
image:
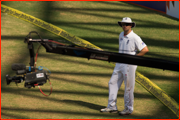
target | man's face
[{"x": 126, "y": 26}]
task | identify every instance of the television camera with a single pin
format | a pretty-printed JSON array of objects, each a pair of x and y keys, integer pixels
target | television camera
[
  {"x": 30, "y": 75},
  {"x": 32, "y": 79}
]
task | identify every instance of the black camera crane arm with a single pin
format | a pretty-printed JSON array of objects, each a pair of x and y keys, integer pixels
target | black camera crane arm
[
  {"x": 77, "y": 51},
  {"x": 109, "y": 56}
]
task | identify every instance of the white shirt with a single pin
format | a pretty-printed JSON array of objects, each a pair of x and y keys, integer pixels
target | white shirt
[{"x": 130, "y": 43}]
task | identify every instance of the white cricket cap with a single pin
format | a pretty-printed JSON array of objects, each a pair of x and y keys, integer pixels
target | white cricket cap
[{"x": 127, "y": 20}]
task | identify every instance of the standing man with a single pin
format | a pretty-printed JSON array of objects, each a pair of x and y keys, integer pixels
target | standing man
[{"x": 129, "y": 43}]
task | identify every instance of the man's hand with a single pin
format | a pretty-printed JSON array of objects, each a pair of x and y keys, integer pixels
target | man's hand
[{"x": 143, "y": 51}]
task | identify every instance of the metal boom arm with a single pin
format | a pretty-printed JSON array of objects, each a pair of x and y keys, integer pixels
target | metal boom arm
[{"x": 112, "y": 57}]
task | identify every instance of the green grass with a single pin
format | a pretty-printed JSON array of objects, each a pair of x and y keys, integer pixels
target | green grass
[{"x": 80, "y": 87}]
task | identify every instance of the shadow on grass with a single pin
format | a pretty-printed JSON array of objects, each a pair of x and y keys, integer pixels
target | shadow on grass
[
  {"x": 159, "y": 77},
  {"x": 85, "y": 104},
  {"x": 87, "y": 114},
  {"x": 80, "y": 83},
  {"x": 94, "y": 12},
  {"x": 27, "y": 92},
  {"x": 11, "y": 116},
  {"x": 60, "y": 58},
  {"x": 96, "y": 107},
  {"x": 80, "y": 103}
]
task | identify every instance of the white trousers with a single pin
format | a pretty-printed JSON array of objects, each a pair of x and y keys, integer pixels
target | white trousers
[{"x": 127, "y": 73}]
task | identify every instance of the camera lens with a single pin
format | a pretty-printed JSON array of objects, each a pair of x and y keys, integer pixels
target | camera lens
[{"x": 8, "y": 79}]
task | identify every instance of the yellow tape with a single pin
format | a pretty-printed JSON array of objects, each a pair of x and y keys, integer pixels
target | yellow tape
[
  {"x": 159, "y": 93},
  {"x": 143, "y": 81}
]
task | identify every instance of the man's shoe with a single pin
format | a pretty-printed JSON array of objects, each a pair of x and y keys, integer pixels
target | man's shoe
[
  {"x": 107, "y": 110},
  {"x": 125, "y": 112}
]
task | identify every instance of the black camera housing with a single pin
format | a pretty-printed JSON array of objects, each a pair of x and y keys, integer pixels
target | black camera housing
[
  {"x": 40, "y": 77},
  {"x": 31, "y": 78}
]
